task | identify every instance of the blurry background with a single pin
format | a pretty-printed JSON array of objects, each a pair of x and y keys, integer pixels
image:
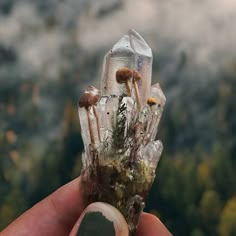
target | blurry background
[{"x": 51, "y": 50}]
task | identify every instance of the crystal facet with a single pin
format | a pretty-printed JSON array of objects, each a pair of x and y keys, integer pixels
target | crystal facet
[
  {"x": 118, "y": 129},
  {"x": 132, "y": 52}
]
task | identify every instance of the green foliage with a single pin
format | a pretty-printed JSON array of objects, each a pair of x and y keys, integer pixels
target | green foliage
[
  {"x": 227, "y": 225},
  {"x": 197, "y": 232},
  {"x": 12, "y": 206},
  {"x": 189, "y": 193},
  {"x": 210, "y": 209}
]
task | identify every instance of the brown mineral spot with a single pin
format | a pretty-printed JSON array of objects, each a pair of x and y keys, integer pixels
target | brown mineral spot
[
  {"x": 123, "y": 75},
  {"x": 151, "y": 101},
  {"x": 88, "y": 99}
]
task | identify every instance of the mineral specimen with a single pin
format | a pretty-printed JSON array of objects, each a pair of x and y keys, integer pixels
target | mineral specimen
[{"x": 118, "y": 126}]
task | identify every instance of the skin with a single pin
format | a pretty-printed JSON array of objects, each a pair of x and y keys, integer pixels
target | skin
[{"x": 61, "y": 212}]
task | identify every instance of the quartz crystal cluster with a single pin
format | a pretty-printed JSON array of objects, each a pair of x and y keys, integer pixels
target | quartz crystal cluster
[{"x": 119, "y": 124}]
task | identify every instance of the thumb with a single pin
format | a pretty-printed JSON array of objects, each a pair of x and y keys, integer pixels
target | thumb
[{"x": 100, "y": 219}]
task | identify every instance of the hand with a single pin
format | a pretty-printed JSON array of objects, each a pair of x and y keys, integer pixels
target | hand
[{"x": 61, "y": 213}]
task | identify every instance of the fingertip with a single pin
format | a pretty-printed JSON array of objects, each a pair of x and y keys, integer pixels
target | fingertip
[{"x": 150, "y": 225}]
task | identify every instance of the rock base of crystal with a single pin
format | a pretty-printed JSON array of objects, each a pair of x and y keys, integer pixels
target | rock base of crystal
[{"x": 120, "y": 183}]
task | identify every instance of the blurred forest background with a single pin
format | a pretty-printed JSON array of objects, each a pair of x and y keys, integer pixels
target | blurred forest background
[{"x": 51, "y": 50}]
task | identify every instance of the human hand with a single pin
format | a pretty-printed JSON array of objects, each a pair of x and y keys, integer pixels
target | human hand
[{"x": 62, "y": 213}]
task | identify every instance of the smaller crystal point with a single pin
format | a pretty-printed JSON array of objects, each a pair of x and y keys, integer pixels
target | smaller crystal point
[
  {"x": 156, "y": 102},
  {"x": 152, "y": 153},
  {"x": 131, "y": 52},
  {"x": 88, "y": 117},
  {"x": 157, "y": 93}
]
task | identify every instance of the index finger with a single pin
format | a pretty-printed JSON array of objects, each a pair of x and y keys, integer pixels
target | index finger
[{"x": 55, "y": 215}]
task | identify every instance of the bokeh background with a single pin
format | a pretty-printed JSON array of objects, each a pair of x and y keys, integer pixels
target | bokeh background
[{"x": 51, "y": 50}]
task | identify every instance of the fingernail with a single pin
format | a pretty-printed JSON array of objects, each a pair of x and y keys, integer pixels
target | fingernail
[
  {"x": 100, "y": 219},
  {"x": 95, "y": 223}
]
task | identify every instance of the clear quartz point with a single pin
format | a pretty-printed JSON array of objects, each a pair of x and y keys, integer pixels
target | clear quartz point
[
  {"x": 152, "y": 152},
  {"x": 83, "y": 116},
  {"x": 89, "y": 118},
  {"x": 157, "y": 109},
  {"x": 118, "y": 128},
  {"x": 133, "y": 52}
]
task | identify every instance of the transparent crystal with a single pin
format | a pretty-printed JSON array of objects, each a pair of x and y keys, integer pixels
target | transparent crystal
[
  {"x": 157, "y": 109},
  {"x": 89, "y": 118},
  {"x": 157, "y": 93},
  {"x": 107, "y": 108},
  {"x": 83, "y": 117},
  {"x": 133, "y": 52},
  {"x": 152, "y": 152},
  {"x": 118, "y": 128}
]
